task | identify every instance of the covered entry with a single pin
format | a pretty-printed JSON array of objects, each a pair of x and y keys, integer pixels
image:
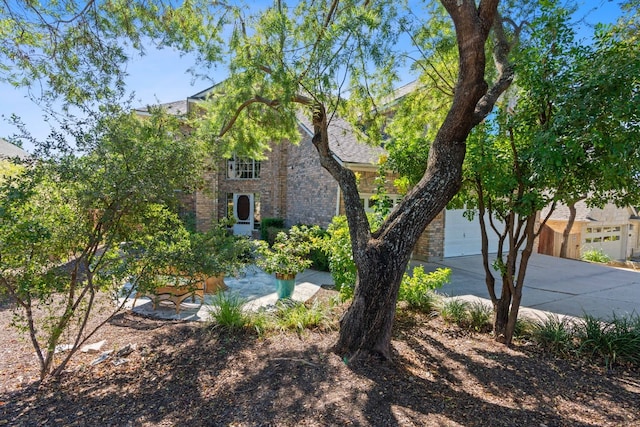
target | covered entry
[{"x": 243, "y": 213}]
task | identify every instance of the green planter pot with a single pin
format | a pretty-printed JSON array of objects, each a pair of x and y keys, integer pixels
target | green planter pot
[{"x": 285, "y": 284}]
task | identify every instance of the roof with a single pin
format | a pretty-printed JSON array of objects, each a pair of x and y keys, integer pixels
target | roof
[
  {"x": 178, "y": 108},
  {"x": 203, "y": 94},
  {"x": 585, "y": 213},
  {"x": 398, "y": 94},
  {"x": 8, "y": 150},
  {"x": 344, "y": 144},
  {"x": 342, "y": 138}
]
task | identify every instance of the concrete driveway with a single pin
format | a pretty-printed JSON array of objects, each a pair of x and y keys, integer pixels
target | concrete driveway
[{"x": 554, "y": 285}]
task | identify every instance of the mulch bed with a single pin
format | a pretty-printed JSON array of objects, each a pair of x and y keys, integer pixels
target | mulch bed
[{"x": 187, "y": 374}]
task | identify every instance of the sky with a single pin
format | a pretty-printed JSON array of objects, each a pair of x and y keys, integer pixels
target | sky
[{"x": 161, "y": 76}]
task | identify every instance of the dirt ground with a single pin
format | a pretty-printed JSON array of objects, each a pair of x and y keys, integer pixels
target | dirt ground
[{"x": 187, "y": 374}]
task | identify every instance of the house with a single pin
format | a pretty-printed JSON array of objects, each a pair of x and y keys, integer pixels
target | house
[
  {"x": 611, "y": 229},
  {"x": 290, "y": 184}
]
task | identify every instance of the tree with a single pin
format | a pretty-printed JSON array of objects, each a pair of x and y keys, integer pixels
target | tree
[
  {"x": 290, "y": 60},
  {"x": 64, "y": 219},
  {"x": 568, "y": 111},
  {"x": 597, "y": 118},
  {"x": 77, "y": 51}
]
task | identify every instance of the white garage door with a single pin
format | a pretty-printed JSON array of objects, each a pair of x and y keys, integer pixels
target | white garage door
[
  {"x": 607, "y": 239},
  {"x": 463, "y": 237}
]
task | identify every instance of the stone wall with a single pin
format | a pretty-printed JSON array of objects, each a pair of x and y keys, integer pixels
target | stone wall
[
  {"x": 312, "y": 191},
  {"x": 430, "y": 245}
]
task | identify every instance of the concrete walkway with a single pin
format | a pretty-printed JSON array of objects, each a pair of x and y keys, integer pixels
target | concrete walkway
[
  {"x": 556, "y": 285},
  {"x": 552, "y": 285},
  {"x": 255, "y": 287}
]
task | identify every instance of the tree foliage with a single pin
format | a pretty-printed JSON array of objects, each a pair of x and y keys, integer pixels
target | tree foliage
[
  {"x": 293, "y": 63},
  {"x": 566, "y": 131},
  {"x": 64, "y": 219},
  {"x": 77, "y": 51}
]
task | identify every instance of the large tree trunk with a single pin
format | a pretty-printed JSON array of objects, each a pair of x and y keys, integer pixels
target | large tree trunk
[
  {"x": 368, "y": 323},
  {"x": 567, "y": 229},
  {"x": 381, "y": 258}
]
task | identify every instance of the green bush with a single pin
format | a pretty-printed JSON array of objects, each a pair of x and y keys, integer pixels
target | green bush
[
  {"x": 554, "y": 334},
  {"x": 341, "y": 264},
  {"x": 596, "y": 255},
  {"x": 524, "y": 328},
  {"x": 275, "y": 224},
  {"x": 338, "y": 249},
  {"x": 227, "y": 311},
  {"x": 454, "y": 311},
  {"x": 480, "y": 315},
  {"x": 298, "y": 317},
  {"x": 613, "y": 341},
  {"x": 317, "y": 254},
  {"x": 417, "y": 289}
]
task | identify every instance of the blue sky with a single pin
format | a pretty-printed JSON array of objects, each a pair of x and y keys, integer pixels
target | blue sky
[{"x": 161, "y": 75}]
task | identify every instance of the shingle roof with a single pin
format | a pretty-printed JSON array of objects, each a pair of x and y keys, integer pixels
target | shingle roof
[
  {"x": 584, "y": 213},
  {"x": 344, "y": 144},
  {"x": 178, "y": 108},
  {"x": 342, "y": 138},
  {"x": 8, "y": 150}
]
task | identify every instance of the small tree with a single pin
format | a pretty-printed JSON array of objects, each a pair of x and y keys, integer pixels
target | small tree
[
  {"x": 63, "y": 222},
  {"x": 564, "y": 132}
]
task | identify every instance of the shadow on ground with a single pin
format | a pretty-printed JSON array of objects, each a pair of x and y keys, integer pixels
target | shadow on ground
[{"x": 194, "y": 375}]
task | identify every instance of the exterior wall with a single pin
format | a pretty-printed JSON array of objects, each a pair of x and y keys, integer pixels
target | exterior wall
[
  {"x": 293, "y": 186},
  {"x": 271, "y": 186},
  {"x": 633, "y": 243},
  {"x": 205, "y": 203},
  {"x": 430, "y": 245},
  {"x": 211, "y": 203},
  {"x": 312, "y": 192},
  {"x": 603, "y": 223},
  {"x": 367, "y": 185}
]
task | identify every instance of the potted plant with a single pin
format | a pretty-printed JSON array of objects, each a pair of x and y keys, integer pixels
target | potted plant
[{"x": 286, "y": 258}]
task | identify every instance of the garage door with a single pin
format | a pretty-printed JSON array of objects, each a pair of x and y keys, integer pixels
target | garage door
[
  {"x": 607, "y": 239},
  {"x": 463, "y": 237}
]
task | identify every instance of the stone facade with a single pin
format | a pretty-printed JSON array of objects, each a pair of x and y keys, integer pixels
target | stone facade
[
  {"x": 430, "y": 245},
  {"x": 313, "y": 193},
  {"x": 293, "y": 186}
]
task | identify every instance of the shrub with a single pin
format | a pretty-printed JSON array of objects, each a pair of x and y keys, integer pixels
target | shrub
[
  {"x": 275, "y": 224},
  {"x": 317, "y": 253},
  {"x": 454, "y": 310},
  {"x": 298, "y": 317},
  {"x": 227, "y": 311},
  {"x": 554, "y": 334},
  {"x": 613, "y": 341},
  {"x": 480, "y": 315},
  {"x": 341, "y": 264},
  {"x": 338, "y": 249},
  {"x": 595, "y": 255},
  {"x": 417, "y": 289},
  {"x": 524, "y": 328}
]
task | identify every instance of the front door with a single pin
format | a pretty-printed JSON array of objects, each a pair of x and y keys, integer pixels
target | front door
[{"x": 243, "y": 213}]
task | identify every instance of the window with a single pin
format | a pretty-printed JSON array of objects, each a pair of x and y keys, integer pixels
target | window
[
  {"x": 239, "y": 168},
  {"x": 369, "y": 203}
]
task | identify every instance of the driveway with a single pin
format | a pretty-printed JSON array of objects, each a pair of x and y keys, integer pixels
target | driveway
[{"x": 553, "y": 284}]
